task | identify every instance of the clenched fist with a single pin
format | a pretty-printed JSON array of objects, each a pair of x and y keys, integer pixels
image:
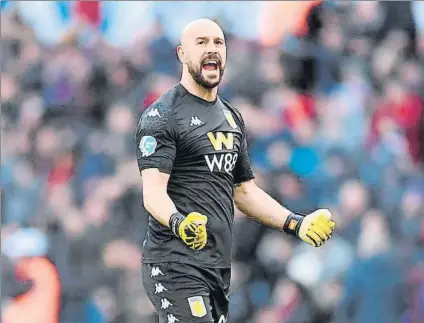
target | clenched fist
[
  {"x": 191, "y": 229},
  {"x": 315, "y": 228}
]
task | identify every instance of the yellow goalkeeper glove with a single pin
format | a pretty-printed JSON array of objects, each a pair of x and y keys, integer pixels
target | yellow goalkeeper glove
[
  {"x": 315, "y": 228},
  {"x": 191, "y": 229}
]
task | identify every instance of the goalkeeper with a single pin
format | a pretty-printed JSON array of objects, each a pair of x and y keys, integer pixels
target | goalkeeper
[{"x": 193, "y": 159}]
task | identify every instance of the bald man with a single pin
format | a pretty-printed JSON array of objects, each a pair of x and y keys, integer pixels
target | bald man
[{"x": 193, "y": 159}]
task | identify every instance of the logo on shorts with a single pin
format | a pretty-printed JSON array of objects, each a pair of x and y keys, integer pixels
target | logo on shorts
[
  {"x": 156, "y": 272},
  {"x": 171, "y": 318},
  {"x": 147, "y": 145},
  {"x": 197, "y": 306},
  {"x": 165, "y": 304},
  {"x": 159, "y": 288}
]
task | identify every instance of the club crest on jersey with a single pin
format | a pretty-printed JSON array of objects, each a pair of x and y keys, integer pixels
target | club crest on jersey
[
  {"x": 197, "y": 306},
  {"x": 147, "y": 146},
  {"x": 230, "y": 119}
]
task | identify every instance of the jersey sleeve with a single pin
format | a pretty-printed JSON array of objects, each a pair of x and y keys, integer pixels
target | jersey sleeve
[
  {"x": 243, "y": 170},
  {"x": 156, "y": 139}
]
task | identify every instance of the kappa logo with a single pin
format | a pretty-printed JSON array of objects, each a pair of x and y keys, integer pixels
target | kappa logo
[
  {"x": 172, "y": 319},
  {"x": 153, "y": 113},
  {"x": 165, "y": 304},
  {"x": 197, "y": 306},
  {"x": 147, "y": 146},
  {"x": 159, "y": 288},
  {"x": 156, "y": 271},
  {"x": 195, "y": 121}
]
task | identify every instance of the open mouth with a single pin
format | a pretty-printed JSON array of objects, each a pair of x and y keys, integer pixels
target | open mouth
[{"x": 210, "y": 65}]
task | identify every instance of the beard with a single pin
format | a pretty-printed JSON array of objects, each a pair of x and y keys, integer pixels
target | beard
[{"x": 196, "y": 74}]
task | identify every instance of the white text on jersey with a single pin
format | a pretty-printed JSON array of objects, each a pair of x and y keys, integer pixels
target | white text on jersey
[{"x": 221, "y": 162}]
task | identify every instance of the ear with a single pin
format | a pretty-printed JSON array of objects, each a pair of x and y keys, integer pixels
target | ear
[{"x": 181, "y": 54}]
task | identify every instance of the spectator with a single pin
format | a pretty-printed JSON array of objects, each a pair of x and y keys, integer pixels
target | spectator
[{"x": 399, "y": 111}]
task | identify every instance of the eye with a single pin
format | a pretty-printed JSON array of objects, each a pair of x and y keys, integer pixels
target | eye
[
  {"x": 200, "y": 42},
  {"x": 219, "y": 42}
]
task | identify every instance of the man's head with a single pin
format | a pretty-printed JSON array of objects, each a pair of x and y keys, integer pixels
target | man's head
[{"x": 203, "y": 52}]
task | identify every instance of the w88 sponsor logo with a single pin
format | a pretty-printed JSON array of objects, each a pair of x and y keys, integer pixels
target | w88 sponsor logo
[{"x": 221, "y": 162}]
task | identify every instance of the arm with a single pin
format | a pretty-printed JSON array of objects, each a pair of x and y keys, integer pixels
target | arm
[
  {"x": 249, "y": 198},
  {"x": 191, "y": 228},
  {"x": 258, "y": 205},
  {"x": 156, "y": 140},
  {"x": 315, "y": 228},
  {"x": 156, "y": 150},
  {"x": 156, "y": 199}
]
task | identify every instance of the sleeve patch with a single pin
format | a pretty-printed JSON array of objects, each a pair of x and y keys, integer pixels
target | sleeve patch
[{"x": 147, "y": 146}]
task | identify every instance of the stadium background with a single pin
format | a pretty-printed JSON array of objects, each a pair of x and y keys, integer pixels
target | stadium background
[{"x": 332, "y": 95}]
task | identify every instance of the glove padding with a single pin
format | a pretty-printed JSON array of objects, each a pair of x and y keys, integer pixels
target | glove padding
[
  {"x": 191, "y": 229},
  {"x": 315, "y": 228}
]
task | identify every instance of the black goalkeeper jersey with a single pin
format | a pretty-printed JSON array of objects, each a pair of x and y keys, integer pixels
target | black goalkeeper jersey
[{"x": 202, "y": 145}]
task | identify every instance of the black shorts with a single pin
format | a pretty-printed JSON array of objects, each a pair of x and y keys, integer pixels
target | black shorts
[{"x": 183, "y": 293}]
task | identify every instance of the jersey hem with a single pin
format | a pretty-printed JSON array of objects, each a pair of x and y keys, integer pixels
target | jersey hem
[
  {"x": 161, "y": 168},
  {"x": 244, "y": 179}
]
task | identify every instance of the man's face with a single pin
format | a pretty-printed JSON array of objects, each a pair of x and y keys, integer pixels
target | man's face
[{"x": 206, "y": 58}]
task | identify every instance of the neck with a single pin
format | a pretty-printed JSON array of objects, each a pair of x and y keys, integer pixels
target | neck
[{"x": 196, "y": 89}]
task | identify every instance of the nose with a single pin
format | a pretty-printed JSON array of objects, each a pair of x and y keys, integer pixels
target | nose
[{"x": 211, "y": 49}]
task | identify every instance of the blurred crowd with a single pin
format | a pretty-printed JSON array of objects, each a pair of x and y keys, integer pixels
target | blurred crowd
[{"x": 335, "y": 115}]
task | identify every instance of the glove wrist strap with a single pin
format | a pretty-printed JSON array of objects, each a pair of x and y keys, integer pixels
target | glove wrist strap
[
  {"x": 292, "y": 224},
  {"x": 175, "y": 221}
]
